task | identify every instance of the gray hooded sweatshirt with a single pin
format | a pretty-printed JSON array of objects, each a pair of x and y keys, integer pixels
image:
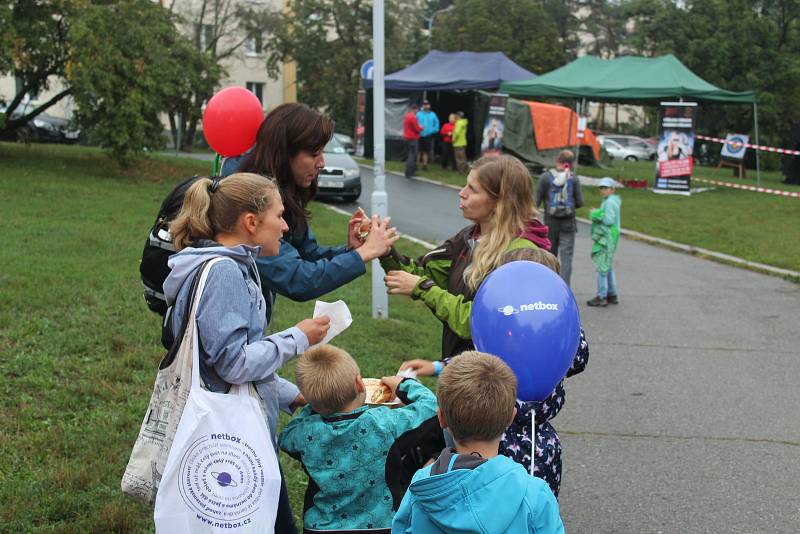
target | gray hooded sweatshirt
[{"x": 231, "y": 324}]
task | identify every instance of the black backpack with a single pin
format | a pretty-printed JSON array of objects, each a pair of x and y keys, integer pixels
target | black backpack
[{"x": 158, "y": 248}]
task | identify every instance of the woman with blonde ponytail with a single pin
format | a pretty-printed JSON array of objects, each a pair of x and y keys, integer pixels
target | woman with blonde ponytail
[
  {"x": 239, "y": 219},
  {"x": 498, "y": 200}
]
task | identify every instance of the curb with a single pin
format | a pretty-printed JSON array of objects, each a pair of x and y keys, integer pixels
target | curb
[{"x": 720, "y": 257}]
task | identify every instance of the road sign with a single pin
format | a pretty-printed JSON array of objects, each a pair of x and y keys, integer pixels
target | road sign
[{"x": 366, "y": 69}]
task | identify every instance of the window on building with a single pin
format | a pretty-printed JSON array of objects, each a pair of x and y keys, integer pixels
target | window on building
[
  {"x": 257, "y": 88},
  {"x": 253, "y": 45},
  {"x": 205, "y": 35}
]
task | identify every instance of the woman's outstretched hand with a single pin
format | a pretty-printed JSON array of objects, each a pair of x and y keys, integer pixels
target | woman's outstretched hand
[
  {"x": 315, "y": 329},
  {"x": 379, "y": 241},
  {"x": 420, "y": 367},
  {"x": 400, "y": 282}
]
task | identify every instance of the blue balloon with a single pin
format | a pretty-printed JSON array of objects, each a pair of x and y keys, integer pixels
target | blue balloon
[{"x": 526, "y": 315}]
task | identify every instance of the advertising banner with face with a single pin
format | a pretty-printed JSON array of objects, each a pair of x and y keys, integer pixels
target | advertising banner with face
[
  {"x": 492, "y": 140},
  {"x": 675, "y": 148}
]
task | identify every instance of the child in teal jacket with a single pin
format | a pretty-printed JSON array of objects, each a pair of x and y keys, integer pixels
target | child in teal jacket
[
  {"x": 605, "y": 236},
  {"x": 344, "y": 444}
]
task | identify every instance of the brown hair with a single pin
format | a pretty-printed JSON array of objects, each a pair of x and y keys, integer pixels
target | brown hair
[
  {"x": 536, "y": 255},
  {"x": 326, "y": 376},
  {"x": 205, "y": 213},
  {"x": 477, "y": 394},
  {"x": 508, "y": 183},
  {"x": 566, "y": 156},
  {"x": 287, "y": 130}
]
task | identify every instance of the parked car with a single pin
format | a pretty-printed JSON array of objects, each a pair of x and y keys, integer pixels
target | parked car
[
  {"x": 627, "y": 147},
  {"x": 43, "y": 128},
  {"x": 346, "y": 141},
  {"x": 341, "y": 177}
]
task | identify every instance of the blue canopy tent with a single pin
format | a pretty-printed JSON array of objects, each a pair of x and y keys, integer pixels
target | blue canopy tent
[
  {"x": 451, "y": 81},
  {"x": 450, "y": 71}
]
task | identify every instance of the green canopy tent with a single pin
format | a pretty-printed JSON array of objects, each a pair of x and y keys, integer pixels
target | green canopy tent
[{"x": 629, "y": 79}]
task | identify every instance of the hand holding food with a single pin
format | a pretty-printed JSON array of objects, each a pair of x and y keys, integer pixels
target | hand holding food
[
  {"x": 379, "y": 241},
  {"x": 377, "y": 391}
]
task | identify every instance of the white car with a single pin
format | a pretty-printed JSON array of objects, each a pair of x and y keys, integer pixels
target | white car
[{"x": 627, "y": 147}]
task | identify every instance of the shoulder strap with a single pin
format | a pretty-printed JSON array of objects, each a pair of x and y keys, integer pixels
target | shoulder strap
[{"x": 174, "y": 341}]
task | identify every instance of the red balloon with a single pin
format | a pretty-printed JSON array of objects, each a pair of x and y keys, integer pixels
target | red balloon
[{"x": 231, "y": 121}]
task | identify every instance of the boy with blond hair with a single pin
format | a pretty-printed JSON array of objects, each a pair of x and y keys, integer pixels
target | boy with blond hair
[
  {"x": 470, "y": 488},
  {"x": 344, "y": 445}
]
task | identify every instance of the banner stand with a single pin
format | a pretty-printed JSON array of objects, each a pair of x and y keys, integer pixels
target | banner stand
[{"x": 674, "y": 160}]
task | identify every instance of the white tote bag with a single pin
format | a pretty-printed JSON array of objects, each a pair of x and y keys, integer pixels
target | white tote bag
[{"x": 222, "y": 473}]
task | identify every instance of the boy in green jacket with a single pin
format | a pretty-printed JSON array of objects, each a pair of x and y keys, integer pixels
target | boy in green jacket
[
  {"x": 605, "y": 236},
  {"x": 460, "y": 142}
]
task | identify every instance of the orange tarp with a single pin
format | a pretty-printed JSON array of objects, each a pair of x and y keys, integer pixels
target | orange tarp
[{"x": 557, "y": 127}]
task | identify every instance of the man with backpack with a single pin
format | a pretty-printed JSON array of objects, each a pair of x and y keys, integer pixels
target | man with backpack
[{"x": 560, "y": 190}]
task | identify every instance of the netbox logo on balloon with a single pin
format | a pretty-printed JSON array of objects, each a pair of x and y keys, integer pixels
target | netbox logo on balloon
[{"x": 535, "y": 306}]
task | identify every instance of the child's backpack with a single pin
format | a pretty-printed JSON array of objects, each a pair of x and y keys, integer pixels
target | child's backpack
[
  {"x": 560, "y": 200},
  {"x": 158, "y": 248}
]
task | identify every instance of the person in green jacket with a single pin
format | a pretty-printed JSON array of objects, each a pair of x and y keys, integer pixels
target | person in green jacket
[
  {"x": 460, "y": 142},
  {"x": 605, "y": 236},
  {"x": 498, "y": 201}
]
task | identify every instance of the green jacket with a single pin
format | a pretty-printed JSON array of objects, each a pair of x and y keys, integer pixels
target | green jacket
[
  {"x": 449, "y": 298},
  {"x": 460, "y": 133},
  {"x": 605, "y": 232}
]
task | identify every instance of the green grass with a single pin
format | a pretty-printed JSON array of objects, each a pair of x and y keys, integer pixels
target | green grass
[
  {"x": 79, "y": 350},
  {"x": 758, "y": 227}
]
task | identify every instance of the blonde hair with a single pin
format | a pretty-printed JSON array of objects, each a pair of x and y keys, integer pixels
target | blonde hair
[
  {"x": 536, "y": 255},
  {"x": 326, "y": 376},
  {"x": 508, "y": 184},
  {"x": 205, "y": 213},
  {"x": 477, "y": 393}
]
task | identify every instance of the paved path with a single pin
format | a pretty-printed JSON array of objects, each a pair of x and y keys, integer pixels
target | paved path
[{"x": 687, "y": 418}]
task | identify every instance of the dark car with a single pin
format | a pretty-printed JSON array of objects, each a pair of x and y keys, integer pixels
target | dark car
[
  {"x": 341, "y": 177},
  {"x": 43, "y": 128}
]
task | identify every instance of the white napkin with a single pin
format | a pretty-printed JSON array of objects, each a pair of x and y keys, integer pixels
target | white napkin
[
  {"x": 339, "y": 315},
  {"x": 408, "y": 373}
]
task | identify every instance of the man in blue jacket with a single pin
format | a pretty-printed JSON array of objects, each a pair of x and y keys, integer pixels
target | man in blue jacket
[{"x": 430, "y": 128}]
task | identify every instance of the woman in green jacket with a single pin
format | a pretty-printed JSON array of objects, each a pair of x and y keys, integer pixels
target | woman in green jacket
[{"x": 498, "y": 201}]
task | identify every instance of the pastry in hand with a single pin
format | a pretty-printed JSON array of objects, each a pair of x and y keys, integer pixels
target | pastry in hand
[
  {"x": 364, "y": 227},
  {"x": 377, "y": 392}
]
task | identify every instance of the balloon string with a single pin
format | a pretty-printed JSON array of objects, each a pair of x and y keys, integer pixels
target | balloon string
[
  {"x": 533, "y": 438},
  {"x": 216, "y": 165}
]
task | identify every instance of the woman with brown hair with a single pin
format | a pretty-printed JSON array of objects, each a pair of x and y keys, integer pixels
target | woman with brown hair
[{"x": 289, "y": 149}]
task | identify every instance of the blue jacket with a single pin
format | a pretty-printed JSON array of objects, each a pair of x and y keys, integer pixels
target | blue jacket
[
  {"x": 468, "y": 494},
  {"x": 429, "y": 122},
  {"x": 302, "y": 270},
  {"x": 345, "y": 456},
  {"x": 231, "y": 324}
]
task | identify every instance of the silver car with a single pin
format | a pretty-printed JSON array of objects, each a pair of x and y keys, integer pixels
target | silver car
[
  {"x": 627, "y": 147},
  {"x": 341, "y": 177}
]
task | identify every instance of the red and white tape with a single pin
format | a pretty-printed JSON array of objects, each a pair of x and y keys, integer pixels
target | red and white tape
[
  {"x": 757, "y": 147},
  {"x": 792, "y": 194}
]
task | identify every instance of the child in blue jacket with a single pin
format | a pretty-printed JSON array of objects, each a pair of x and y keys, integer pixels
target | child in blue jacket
[
  {"x": 470, "y": 488},
  {"x": 344, "y": 445}
]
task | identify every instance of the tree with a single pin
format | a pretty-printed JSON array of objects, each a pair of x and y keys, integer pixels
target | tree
[
  {"x": 127, "y": 64},
  {"x": 218, "y": 29},
  {"x": 736, "y": 44},
  {"x": 521, "y": 29},
  {"x": 35, "y": 49},
  {"x": 330, "y": 39}
]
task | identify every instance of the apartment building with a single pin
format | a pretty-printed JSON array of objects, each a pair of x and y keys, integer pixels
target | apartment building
[{"x": 245, "y": 67}]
